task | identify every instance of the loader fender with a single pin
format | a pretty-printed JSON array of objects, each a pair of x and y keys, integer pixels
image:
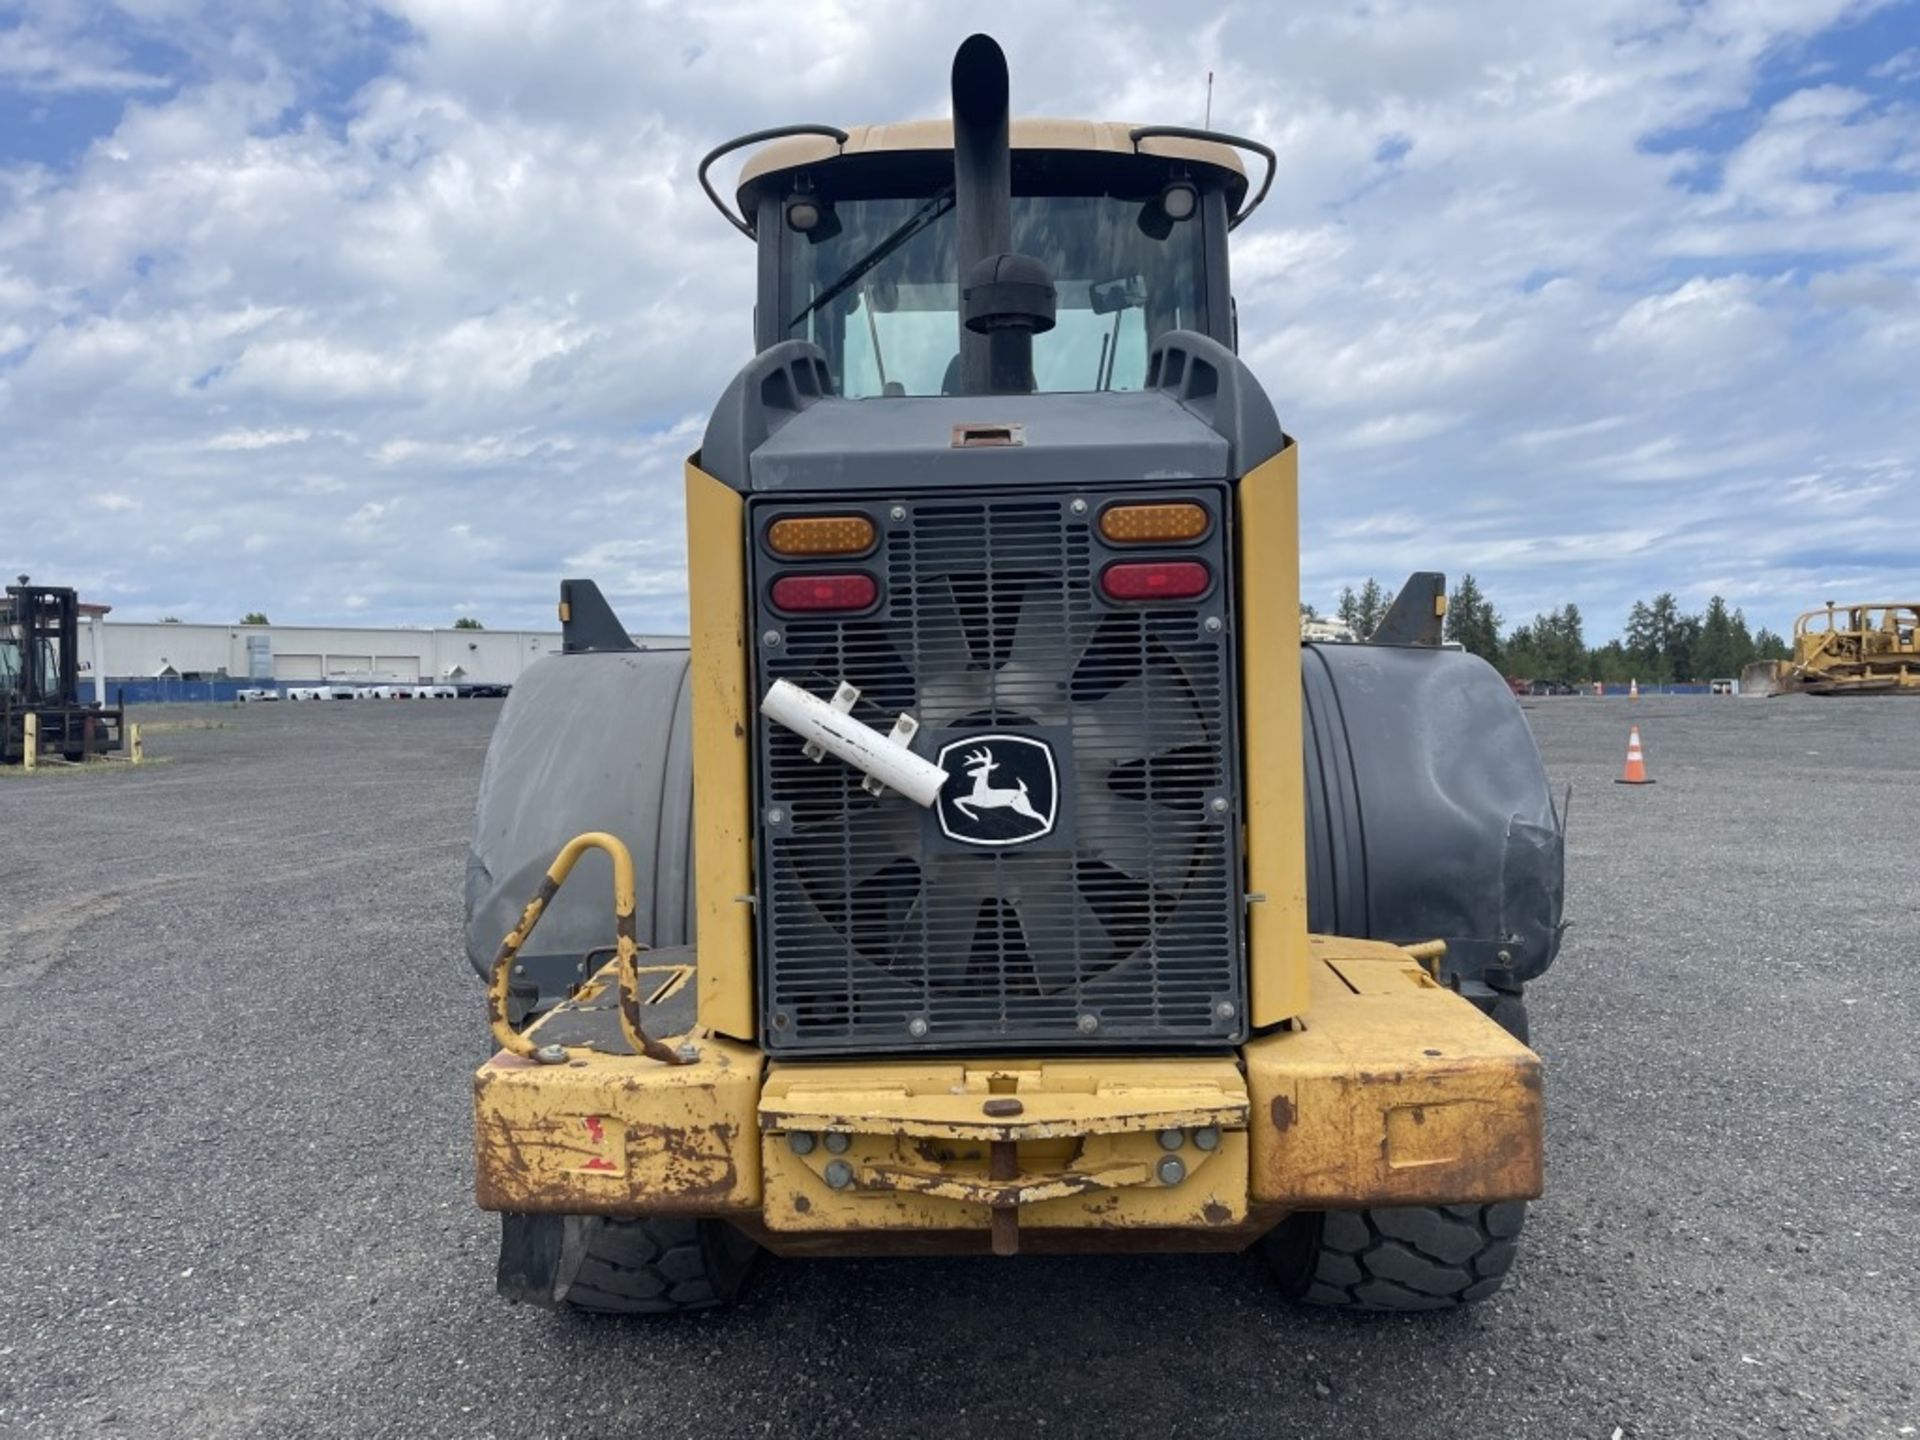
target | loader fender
[
  {"x": 1428, "y": 811},
  {"x": 584, "y": 742}
]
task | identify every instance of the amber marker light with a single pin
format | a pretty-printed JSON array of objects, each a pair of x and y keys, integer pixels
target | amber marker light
[
  {"x": 821, "y": 535},
  {"x": 1167, "y": 523}
]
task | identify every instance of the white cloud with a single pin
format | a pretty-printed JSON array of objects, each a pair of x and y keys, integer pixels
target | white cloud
[
  {"x": 259, "y": 439},
  {"x": 459, "y": 326},
  {"x": 44, "y": 59},
  {"x": 1903, "y": 65}
]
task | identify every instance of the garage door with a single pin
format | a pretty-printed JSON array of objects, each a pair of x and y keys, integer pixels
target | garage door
[
  {"x": 296, "y": 667},
  {"x": 397, "y": 667},
  {"x": 349, "y": 667}
]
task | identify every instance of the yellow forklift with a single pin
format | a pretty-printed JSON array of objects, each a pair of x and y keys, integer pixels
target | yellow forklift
[{"x": 997, "y": 871}]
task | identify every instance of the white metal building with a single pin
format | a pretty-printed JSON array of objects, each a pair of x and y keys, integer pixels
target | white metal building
[{"x": 138, "y": 651}]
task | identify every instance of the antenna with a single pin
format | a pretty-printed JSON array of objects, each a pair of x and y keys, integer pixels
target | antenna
[{"x": 1207, "y": 124}]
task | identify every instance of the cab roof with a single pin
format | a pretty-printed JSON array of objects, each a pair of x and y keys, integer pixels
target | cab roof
[{"x": 1104, "y": 137}]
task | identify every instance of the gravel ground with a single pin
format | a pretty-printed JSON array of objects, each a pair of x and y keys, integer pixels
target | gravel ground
[{"x": 236, "y": 1171}]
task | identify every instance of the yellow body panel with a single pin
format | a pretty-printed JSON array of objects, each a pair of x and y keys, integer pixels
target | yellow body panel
[
  {"x": 1394, "y": 1092},
  {"x": 968, "y": 1099},
  {"x": 1081, "y": 1141},
  {"x": 612, "y": 1134},
  {"x": 1268, "y": 525},
  {"x": 722, "y": 715},
  {"x": 1108, "y": 1185}
]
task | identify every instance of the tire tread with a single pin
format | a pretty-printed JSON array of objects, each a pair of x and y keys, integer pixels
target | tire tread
[
  {"x": 1397, "y": 1259},
  {"x": 659, "y": 1267}
]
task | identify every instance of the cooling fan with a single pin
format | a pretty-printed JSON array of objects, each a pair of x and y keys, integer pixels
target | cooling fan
[{"x": 966, "y": 653}]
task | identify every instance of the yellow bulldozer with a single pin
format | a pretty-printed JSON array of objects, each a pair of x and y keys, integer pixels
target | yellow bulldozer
[
  {"x": 997, "y": 871},
  {"x": 1870, "y": 649}
]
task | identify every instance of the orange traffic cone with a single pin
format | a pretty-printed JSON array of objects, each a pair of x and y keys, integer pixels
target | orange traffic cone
[
  {"x": 1636, "y": 771},
  {"x": 1633, "y": 689}
]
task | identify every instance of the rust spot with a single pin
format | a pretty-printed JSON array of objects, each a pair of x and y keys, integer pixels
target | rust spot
[
  {"x": 802, "y": 1204},
  {"x": 1283, "y": 1113},
  {"x": 998, "y": 1108},
  {"x": 1214, "y": 1213}
]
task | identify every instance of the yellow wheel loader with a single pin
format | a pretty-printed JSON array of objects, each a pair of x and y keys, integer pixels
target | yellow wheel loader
[{"x": 997, "y": 871}]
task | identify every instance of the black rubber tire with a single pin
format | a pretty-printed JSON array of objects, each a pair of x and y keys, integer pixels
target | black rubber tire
[
  {"x": 1509, "y": 1010},
  {"x": 660, "y": 1265},
  {"x": 1411, "y": 1258}
]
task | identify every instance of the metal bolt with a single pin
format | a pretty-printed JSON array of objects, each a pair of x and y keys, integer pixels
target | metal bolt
[
  {"x": 519, "y": 969},
  {"x": 898, "y": 512},
  {"x": 770, "y": 639},
  {"x": 917, "y": 1027},
  {"x": 1212, "y": 625},
  {"x": 800, "y": 1142},
  {"x": 839, "y": 1174},
  {"x": 776, "y": 816},
  {"x": 689, "y": 1053},
  {"x": 1171, "y": 1170},
  {"x": 1087, "y": 1024},
  {"x": 1219, "y": 804},
  {"x": 1207, "y": 1137},
  {"x": 1078, "y": 507},
  {"x": 1224, "y": 1010},
  {"x": 551, "y": 1054},
  {"x": 839, "y": 1142},
  {"x": 1506, "y": 957},
  {"x": 1171, "y": 1138}
]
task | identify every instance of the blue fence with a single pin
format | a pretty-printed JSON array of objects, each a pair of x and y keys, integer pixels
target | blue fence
[
  {"x": 1698, "y": 687},
  {"x": 176, "y": 692}
]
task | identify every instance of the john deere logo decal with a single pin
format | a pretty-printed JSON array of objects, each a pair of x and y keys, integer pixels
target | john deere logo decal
[{"x": 1000, "y": 790}]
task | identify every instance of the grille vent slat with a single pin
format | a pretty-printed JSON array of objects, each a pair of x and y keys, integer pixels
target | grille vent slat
[{"x": 877, "y": 935}]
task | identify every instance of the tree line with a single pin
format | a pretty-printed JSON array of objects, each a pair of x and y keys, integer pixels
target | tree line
[{"x": 1661, "y": 643}]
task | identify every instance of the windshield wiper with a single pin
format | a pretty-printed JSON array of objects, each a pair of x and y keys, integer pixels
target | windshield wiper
[{"x": 939, "y": 205}]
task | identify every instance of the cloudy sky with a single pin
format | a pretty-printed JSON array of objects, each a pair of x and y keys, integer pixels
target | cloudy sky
[{"x": 395, "y": 313}]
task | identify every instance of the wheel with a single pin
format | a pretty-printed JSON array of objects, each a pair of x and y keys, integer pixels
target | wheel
[
  {"x": 1412, "y": 1258},
  {"x": 653, "y": 1266}
]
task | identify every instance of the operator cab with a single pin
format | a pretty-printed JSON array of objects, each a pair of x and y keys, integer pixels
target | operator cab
[{"x": 858, "y": 240}]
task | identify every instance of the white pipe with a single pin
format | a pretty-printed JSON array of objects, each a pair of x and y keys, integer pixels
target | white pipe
[{"x": 860, "y": 745}]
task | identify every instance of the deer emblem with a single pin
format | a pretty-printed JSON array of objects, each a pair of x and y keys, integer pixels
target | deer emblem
[{"x": 979, "y": 765}]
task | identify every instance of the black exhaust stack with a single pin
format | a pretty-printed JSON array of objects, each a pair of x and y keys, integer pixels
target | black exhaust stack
[{"x": 1005, "y": 299}]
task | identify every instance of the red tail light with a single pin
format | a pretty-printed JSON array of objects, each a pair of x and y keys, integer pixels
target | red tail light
[
  {"x": 825, "y": 592},
  {"x": 1155, "y": 580}
]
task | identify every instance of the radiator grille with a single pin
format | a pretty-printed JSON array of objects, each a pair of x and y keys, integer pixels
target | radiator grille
[{"x": 1120, "y": 928}]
